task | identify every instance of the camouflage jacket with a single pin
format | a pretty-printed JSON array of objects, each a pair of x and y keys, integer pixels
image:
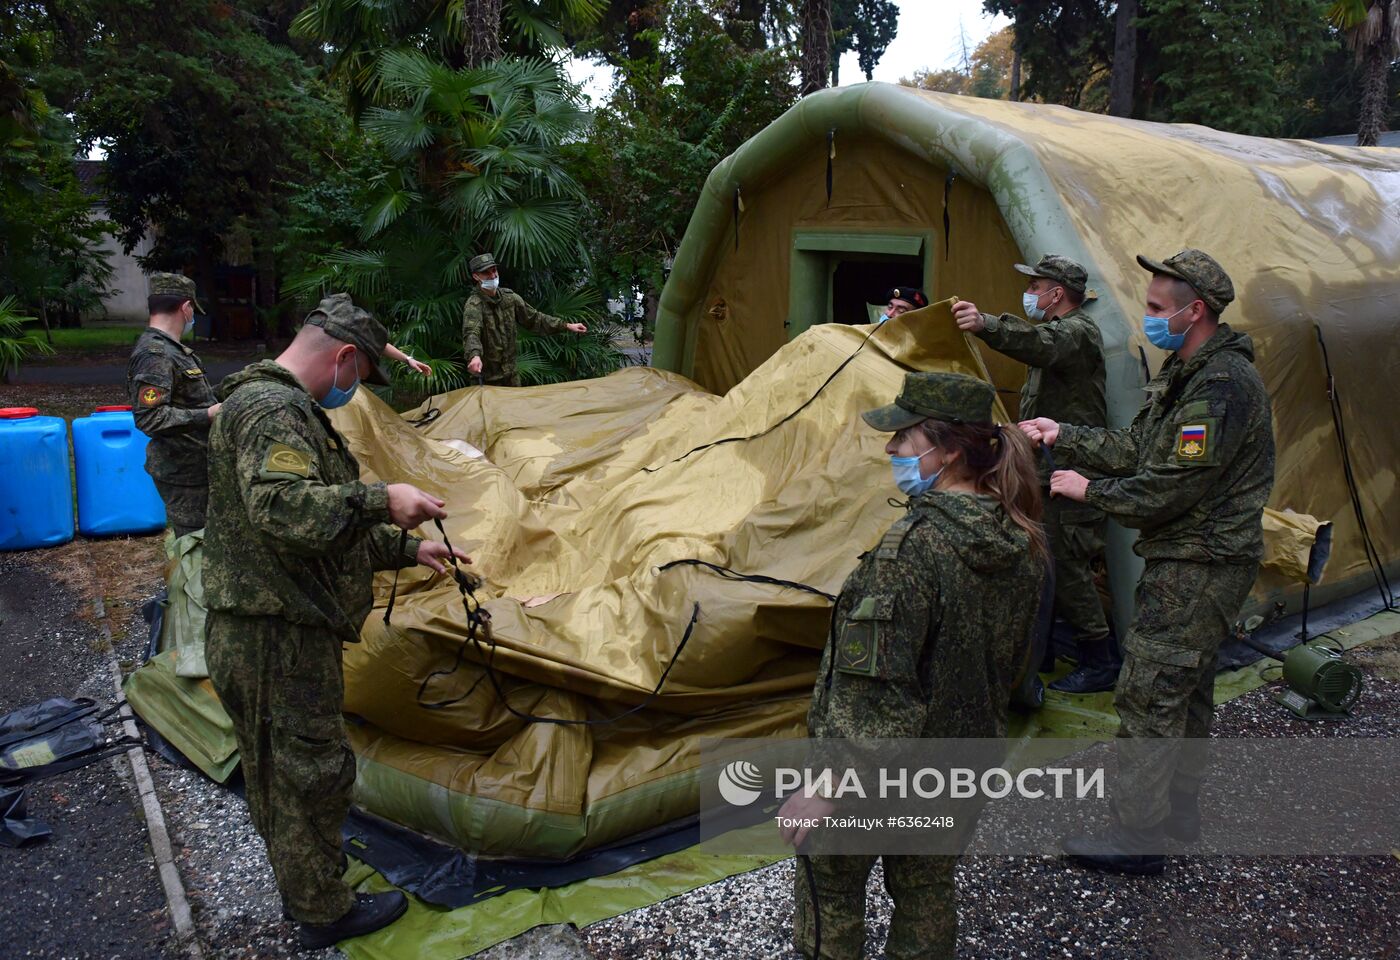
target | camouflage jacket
[
  {"x": 170, "y": 396},
  {"x": 1065, "y": 379},
  {"x": 1194, "y": 469},
  {"x": 932, "y": 629},
  {"x": 292, "y": 532},
  {"x": 488, "y": 330}
]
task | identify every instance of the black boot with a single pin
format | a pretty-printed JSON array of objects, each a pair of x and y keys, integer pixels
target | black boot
[
  {"x": 1119, "y": 849},
  {"x": 1097, "y": 670},
  {"x": 1184, "y": 822},
  {"x": 371, "y": 912}
]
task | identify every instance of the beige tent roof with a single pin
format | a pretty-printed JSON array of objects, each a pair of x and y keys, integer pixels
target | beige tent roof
[{"x": 1310, "y": 233}]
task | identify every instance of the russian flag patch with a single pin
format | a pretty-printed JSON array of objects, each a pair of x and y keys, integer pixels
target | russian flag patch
[{"x": 1191, "y": 445}]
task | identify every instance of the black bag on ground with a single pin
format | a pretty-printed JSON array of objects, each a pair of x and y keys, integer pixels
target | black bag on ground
[{"x": 53, "y": 736}]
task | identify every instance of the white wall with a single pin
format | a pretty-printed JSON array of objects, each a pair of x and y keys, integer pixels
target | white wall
[{"x": 127, "y": 301}]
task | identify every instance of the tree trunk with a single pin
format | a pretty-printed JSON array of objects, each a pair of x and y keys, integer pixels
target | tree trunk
[
  {"x": 1370, "y": 122},
  {"x": 482, "y": 19},
  {"x": 44, "y": 318},
  {"x": 745, "y": 28},
  {"x": 1015, "y": 93},
  {"x": 816, "y": 45},
  {"x": 1120, "y": 84}
]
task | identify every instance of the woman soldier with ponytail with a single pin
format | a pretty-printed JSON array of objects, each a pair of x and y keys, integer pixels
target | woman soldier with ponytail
[{"x": 928, "y": 638}]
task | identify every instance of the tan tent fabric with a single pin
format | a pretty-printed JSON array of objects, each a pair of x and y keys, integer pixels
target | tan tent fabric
[
  {"x": 562, "y": 509},
  {"x": 1310, "y": 234}
]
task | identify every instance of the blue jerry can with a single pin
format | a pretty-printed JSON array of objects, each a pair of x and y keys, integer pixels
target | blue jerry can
[
  {"x": 115, "y": 493},
  {"x": 36, "y": 495}
]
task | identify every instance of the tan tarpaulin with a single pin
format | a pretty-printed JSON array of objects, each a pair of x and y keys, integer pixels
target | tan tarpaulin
[
  {"x": 578, "y": 505},
  {"x": 1310, "y": 234}
]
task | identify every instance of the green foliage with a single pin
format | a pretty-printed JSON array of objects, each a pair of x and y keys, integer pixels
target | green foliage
[
  {"x": 359, "y": 34},
  {"x": 204, "y": 118},
  {"x": 1066, "y": 46},
  {"x": 50, "y": 257},
  {"x": 15, "y": 344},
  {"x": 471, "y": 162},
  {"x": 866, "y": 26},
  {"x": 674, "y": 114},
  {"x": 1247, "y": 66},
  {"x": 1232, "y": 64}
]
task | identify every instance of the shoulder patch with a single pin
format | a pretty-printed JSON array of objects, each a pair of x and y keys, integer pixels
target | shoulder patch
[
  {"x": 1195, "y": 440},
  {"x": 858, "y": 650},
  {"x": 151, "y": 396},
  {"x": 894, "y": 537},
  {"x": 284, "y": 461}
]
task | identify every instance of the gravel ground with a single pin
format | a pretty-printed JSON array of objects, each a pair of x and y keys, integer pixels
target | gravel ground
[
  {"x": 91, "y": 889},
  {"x": 1039, "y": 907}
]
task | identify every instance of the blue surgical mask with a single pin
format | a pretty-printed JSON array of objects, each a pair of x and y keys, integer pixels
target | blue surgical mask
[
  {"x": 491, "y": 284},
  {"x": 1159, "y": 334},
  {"x": 189, "y": 325},
  {"x": 336, "y": 397},
  {"x": 1029, "y": 303},
  {"x": 907, "y": 477}
]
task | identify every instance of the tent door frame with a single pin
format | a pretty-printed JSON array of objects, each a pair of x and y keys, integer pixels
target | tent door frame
[{"x": 812, "y": 266}]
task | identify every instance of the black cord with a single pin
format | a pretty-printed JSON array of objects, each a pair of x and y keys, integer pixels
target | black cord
[
  {"x": 731, "y": 574},
  {"x": 429, "y": 415},
  {"x": 479, "y": 620},
  {"x": 754, "y": 436},
  {"x": 394, "y": 590},
  {"x": 1373, "y": 557}
]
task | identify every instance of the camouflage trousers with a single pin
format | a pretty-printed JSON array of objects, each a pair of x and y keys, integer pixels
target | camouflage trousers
[
  {"x": 1075, "y": 532},
  {"x": 500, "y": 376},
  {"x": 1166, "y": 689},
  {"x": 925, "y": 920},
  {"x": 184, "y": 505},
  {"x": 282, "y": 687}
]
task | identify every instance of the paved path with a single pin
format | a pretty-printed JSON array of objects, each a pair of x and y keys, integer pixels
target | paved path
[{"x": 108, "y": 373}]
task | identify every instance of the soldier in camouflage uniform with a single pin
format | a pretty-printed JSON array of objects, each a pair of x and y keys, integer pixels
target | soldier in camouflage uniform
[
  {"x": 1191, "y": 474},
  {"x": 1065, "y": 383},
  {"x": 927, "y": 640},
  {"x": 172, "y": 402},
  {"x": 293, "y": 539},
  {"x": 488, "y": 325}
]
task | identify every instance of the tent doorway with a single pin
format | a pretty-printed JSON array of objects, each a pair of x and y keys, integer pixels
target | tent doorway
[
  {"x": 836, "y": 275},
  {"x": 864, "y": 279}
]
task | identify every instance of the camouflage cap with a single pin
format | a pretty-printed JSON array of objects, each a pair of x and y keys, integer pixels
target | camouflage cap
[
  {"x": 339, "y": 317},
  {"x": 173, "y": 284},
  {"x": 1068, "y": 273},
  {"x": 954, "y": 397},
  {"x": 910, "y": 295},
  {"x": 1208, "y": 278},
  {"x": 481, "y": 262}
]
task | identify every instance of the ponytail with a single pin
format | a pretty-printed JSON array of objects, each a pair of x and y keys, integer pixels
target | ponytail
[{"x": 1000, "y": 463}]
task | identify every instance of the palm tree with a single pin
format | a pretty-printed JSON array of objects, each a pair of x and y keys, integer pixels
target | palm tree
[
  {"x": 475, "y": 165},
  {"x": 457, "y": 33},
  {"x": 1372, "y": 29}
]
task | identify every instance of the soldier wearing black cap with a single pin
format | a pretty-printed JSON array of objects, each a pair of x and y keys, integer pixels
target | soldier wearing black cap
[
  {"x": 172, "y": 402},
  {"x": 900, "y": 300},
  {"x": 488, "y": 324},
  {"x": 293, "y": 539},
  {"x": 1191, "y": 474},
  {"x": 1064, "y": 382}
]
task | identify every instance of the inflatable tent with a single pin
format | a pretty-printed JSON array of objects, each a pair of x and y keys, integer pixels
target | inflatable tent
[
  {"x": 597, "y": 505},
  {"x": 861, "y": 188}
]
